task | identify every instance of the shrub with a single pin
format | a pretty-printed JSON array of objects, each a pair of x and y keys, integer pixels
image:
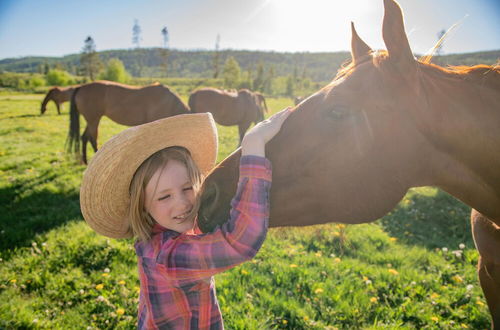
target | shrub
[
  {"x": 57, "y": 77},
  {"x": 115, "y": 71}
]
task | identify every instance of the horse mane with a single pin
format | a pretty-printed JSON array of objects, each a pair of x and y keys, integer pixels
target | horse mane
[{"x": 481, "y": 73}]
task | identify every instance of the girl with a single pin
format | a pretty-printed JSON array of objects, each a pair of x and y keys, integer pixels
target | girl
[{"x": 145, "y": 183}]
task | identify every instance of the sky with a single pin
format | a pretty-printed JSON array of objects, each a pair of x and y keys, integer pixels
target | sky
[{"x": 58, "y": 28}]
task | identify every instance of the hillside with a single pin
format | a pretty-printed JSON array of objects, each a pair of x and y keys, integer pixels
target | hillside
[{"x": 199, "y": 63}]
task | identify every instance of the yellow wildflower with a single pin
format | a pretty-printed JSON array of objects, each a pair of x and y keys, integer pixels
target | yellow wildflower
[
  {"x": 434, "y": 295},
  {"x": 285, "y": 322},
  {"x": 457, "y": 279},
  {"x": 393, "y": 239},
  {"x": 13, "y": 280},
  {"x": 336, "y": 259},
  {"x": 464, "y": 326},
  {"x": 479, "y": 303},
  {"x": 105, "y": 274},
  {"x": 393, "y": 271},
  {"x": 293, "y": 266},
  {"x": 244, "y": 272},
  {"x": 122, "y": 282},
  {"x": 318, "y": 291},
  {"x": 336, "y": 234},
  {"x": 373, "y": 299},
  {"x": 318, "y": 254},
  {"x": 435, "y": 318},
  {"x": 120, "y": 311},
  {"x": 99, "y": 286}
]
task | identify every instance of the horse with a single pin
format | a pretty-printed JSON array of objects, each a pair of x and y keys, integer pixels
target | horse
[
  {"x": 125, "y": 105},
  {"x": 386, "y": 123},
  {"x": 59, "y": 95},
  {"x": 230, "y": 108}
]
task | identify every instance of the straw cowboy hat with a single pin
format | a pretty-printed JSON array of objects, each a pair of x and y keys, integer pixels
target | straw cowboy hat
[{"x": 104, "y": 194}]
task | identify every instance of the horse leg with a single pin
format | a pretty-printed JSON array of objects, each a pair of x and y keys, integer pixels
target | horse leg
[
  {"x": 85, "y": 139},
  {"x": 242, "y": 128},
  {"x": 487, "y": 239},
  {"x": 58, "y": 108}
]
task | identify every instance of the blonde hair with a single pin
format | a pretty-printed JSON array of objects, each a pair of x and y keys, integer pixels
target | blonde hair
[{"x": 140, "y": 221}]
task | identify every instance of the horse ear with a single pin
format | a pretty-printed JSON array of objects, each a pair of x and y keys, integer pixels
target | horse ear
[
  {"x": 393, "y": 31},
  {"x": 358, "y": 47}
]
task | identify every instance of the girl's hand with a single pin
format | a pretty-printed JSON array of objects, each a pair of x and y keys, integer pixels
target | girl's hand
[{"x": 255, "y": 140}]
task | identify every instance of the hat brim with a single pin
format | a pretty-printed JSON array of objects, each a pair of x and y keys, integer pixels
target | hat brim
[{"x": 104, "y": 193}]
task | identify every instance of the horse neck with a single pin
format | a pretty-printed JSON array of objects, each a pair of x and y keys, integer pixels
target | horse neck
[
  {"x": 462, "y": 117},
  {"x": 47, "y": 98}
]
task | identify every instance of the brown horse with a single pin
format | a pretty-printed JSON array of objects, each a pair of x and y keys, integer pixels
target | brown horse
[
  {"x": 388, "y": 122},
  {"x": 125, "y": 105},
  {"x": 59, "y": 95},
  {"x": 230, "y": 108}
]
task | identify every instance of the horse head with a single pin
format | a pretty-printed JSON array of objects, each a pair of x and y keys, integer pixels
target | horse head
[
  {"x": 48, "y": 97},
  {"x": 350, "y": 152}
]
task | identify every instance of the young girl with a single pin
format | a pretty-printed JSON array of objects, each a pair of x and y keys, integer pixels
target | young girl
[{"x": 145, "y": 183}]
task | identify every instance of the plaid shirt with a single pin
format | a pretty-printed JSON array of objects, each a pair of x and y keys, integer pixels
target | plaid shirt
[{"x": 176, "y": 270}]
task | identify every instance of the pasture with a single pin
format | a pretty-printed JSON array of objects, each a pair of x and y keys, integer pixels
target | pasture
[{"x": 414, "y": 268}]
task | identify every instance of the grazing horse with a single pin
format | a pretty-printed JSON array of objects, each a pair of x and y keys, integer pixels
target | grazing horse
[
  {"x": 58, "y": 95},
  {"x": 125, "y": 105},
  {"x": 230, "y": 108},
  {"x": 386, "y": 123}
]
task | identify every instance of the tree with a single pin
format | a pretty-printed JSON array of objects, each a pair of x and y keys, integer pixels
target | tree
[
  {"x": 439, "y": 47},
  {"x": 136, "y": 34},
  {"x": 258, "y": 82},
  {"x": 115, "y": 71},
  {"x": 290, "y": 86},
  {"x": 136, "y": 40},
  {"x": 216, "y": 58},
  {"x": 90, "y": 63},
  {"x": 164, "y": 51},
  {"x": 231, "y": 73},
  {"x": 57, "y": 77}
]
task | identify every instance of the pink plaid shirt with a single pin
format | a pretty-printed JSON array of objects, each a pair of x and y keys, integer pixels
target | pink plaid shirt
[{"x": 176, "y": 270}]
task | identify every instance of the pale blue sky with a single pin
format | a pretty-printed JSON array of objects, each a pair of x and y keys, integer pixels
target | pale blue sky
[{"x": 57, "y": 28}]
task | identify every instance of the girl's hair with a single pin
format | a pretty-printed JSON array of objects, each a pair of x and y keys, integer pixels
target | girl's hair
[{"x": 140, "y": 221}]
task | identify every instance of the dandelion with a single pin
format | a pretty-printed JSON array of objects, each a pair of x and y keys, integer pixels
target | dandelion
[
  {"x": 285, "y": 322},
  {"x": 461, "y": 246},
  {"x": 99, "y": 286},
  {"x": 464, "y": 326},
  {"x": 318, "y": 291},
  {"x": 244, "y": 272},
  {"x": 293, "y": 266},
  {"x": 120, "y": 311},
  {"x": 340, "y": 226},
  {"x": 393, "y": 239},
  {"x": 13, "y": 281},
  {"x": 435, "y": 318},
  {"x": 336, "y": 259},
  {"x": 336, "y": 234},
  {"x": 469, "y": 287},
  {"x": 457, "y": 279},
  {"x": 373, "y": 299},
  {"x": 318, "y": 254},
  {"x": 122, "y": 282},
  {"x": 479, "y": 303},
  {"x": 105, "y": 274},
  {"x": 393, "y": 271},
  {"x": 434, "y": 295}
]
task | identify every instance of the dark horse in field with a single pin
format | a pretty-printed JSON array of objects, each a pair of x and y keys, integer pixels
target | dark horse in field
[
  {"x": 386, "y": 123},
  {"x": 230, "y": 108},
  {"x": 125, "y": 105},
  {"x": 59, "y": 95}
]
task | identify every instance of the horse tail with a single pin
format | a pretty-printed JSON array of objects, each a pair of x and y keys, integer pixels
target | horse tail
[{"x": 73, "y": 140}]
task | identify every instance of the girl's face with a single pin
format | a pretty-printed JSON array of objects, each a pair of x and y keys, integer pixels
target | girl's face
[{"x": 169, "y": 197}]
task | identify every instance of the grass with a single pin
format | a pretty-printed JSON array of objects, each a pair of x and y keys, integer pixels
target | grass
[{"x": 407, "y": 270}]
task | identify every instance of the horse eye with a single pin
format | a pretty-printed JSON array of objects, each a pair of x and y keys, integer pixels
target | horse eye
[{"x": 337, "y": 112}]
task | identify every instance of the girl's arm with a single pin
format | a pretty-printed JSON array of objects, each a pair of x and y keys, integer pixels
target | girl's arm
[{"x": 192, "y": 257}]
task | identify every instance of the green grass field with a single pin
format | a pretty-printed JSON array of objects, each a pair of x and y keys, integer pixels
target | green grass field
[{"x": 412, "y": 269}]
